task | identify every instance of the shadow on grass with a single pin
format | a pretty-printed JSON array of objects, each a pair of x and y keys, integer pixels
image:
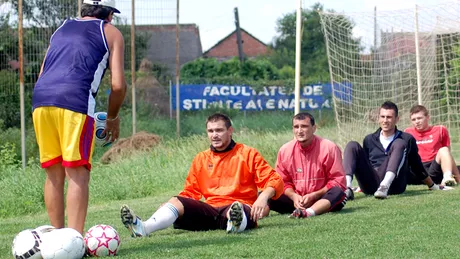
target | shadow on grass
[
  {"x": 353, "y": 209},
  {"x": 410, "y": 193},
  {"x": 153, "y": 245}
]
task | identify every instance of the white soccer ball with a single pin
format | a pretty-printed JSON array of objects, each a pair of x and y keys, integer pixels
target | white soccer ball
[
  {"x": 44, "y": 229},
  {"x": 26, "y": 245},
  {"x": 102, "y": 240},
  {"x": 100, "y": 119},
  {"x": 64, "y": 243}
]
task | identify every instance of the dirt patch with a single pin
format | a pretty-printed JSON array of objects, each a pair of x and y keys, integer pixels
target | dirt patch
[{"x": 125, "y": 147}]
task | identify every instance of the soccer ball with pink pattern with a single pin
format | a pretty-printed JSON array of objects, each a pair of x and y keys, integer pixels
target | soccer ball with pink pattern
[{"x": 102, "y": 240}]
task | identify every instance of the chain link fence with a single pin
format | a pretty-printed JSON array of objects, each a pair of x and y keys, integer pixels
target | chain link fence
[{"x": 150, "y": 68}]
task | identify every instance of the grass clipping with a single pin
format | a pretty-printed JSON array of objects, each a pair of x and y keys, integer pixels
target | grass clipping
[{"x": 125, "y": 147}]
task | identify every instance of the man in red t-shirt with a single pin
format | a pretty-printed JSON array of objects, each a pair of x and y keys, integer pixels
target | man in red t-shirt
[{"x": 433, "y": 144}]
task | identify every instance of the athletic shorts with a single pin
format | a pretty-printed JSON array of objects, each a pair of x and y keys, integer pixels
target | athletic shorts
[
  {"x": 200, "y": 216},
  {"x": 64, "y": 136},
  {"x": 335, "y": 196},
  {"x": 434, "y": 170}
]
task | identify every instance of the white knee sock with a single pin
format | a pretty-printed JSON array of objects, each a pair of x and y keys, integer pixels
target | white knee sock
[
  {"x": 447, "y": 174},
  {"x": 349, "y": 180},
  {"x": 388, "y": 179},
  {"x": 161, "y": 219}
]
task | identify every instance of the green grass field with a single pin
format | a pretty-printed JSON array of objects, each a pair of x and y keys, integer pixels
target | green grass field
[{"x": 417, "y": 224}]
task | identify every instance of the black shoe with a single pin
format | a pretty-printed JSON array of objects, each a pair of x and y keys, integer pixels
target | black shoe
[{"x": 350, "y": 194}]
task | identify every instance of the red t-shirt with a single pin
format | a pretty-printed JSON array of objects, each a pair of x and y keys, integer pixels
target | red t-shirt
[{"x": 430, "y": 141}]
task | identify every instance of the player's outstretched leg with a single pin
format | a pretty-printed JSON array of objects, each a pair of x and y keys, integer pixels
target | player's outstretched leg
[{"x": 132, "y": 222}]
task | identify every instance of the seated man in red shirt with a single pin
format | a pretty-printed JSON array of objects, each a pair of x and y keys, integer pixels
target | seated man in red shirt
[
  {"x": 312, "y": 171},
  {"x": 433, "y": 144},
  {"x": 228, "y": 176}
]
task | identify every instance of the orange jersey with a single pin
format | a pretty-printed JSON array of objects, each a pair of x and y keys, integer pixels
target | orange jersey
[{"x": 236, "y": 175}]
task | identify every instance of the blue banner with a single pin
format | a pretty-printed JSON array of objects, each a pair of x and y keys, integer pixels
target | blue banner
[{"x": 240, "y": 97}]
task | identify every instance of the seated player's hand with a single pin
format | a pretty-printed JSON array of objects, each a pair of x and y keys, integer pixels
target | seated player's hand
[{"x": 258, "y": 209}]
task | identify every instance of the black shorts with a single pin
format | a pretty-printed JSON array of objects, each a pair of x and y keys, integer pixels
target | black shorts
[
  {"x": 335, "y": 196},
  {"x": 434, "y": 170},
  {"x": 199, "y": 216}
]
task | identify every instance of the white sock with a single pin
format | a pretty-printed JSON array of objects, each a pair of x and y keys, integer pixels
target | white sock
[
  {"x": 349, "y": 180},
  {"x": 242, "y": 227},
  {"x": 310, "y": 212},
  {"x": 244, "y": 223},
  {"x": 388, "y": 179},
  {"x": 447, "y": 174},
  {"x": 161, "y": 219}
]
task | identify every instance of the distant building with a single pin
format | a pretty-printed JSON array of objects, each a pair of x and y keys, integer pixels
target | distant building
[
  {"x": 227, "y": 48},
  {"x": 162, "y": 44}
]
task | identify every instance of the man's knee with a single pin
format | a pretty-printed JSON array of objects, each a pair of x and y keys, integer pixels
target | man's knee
[
  {"x": 443, "y": 152},
  {"x": 177, "y": 203},
  {"x": 336, "y": 197},
  {"x": 352, "y": 146},
  {"x": 398, "y": 144}
]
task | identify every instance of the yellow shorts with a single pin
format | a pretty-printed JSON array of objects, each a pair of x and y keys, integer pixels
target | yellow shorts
[{"x": 64, "y": 136}]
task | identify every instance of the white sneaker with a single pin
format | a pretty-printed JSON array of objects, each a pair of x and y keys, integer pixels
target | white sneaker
[
  {"x": 132, "y": 222},
  {"x": 436, "y": 187},
  {"x": 448, "y": 181},
  {"x": 235, "y": 218},
  {"x": 382, "y": 192}
]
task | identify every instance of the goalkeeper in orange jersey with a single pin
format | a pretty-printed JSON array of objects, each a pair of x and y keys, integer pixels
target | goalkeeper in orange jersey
[
  {"x": 433, "y": 144},
  {"x": 228, "y": 176}
]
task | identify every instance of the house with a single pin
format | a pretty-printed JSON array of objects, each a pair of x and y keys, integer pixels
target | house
[
  {"x": 227, "y": 48},
  {"x": 162, "y": 44}
]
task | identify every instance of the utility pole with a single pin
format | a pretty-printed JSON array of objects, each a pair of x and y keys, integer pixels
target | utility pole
[
  {"x": 133, "y": 66},
  {"x": 298, "y": 49},
  {"x": 239, "y": 42},
  {"x": 177, "y": 73},
  {"x": 21, "y": 84}
]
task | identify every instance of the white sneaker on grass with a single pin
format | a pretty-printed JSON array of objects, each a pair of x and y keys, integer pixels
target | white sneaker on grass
[
  {"x": 382, "y": 192},
  {"x": 235, "y": 218},
  {"x": 437, "y": 187},
  {"x": 448, "y": 181},
  {"x": 132, "y": 222}
]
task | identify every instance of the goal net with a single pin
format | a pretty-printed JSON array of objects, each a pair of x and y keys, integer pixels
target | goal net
[{"x": 406, "y": 56}]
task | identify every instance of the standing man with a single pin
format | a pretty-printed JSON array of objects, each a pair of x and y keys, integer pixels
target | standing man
[
  {"x": 433, "y": 144},
  {"x": 64, "y": 101},
  {"x": 382, "y": 164},
  {"x": 312, "y": 171},
  {"x": 228, "y": 176}
]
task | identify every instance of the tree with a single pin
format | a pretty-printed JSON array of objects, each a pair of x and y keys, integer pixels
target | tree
[
  {"x": 314, "y": 62},
  {"x": 46, "y": 13}
]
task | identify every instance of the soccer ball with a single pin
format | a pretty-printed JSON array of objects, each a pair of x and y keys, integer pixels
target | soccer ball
[
  {"x": 44, "y": 229},
  {"x": 102, "y": 240},
  {"x": 100, "y": 119},
  {"x": 64, "y": 243},
  {"x": 26, "y": 245}
]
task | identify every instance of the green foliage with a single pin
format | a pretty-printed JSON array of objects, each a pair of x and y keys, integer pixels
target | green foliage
[
  {"x": 210, "y": 68},
  {"x": 12, "y": 138},
  {"x": 314, "y": 62},
  {"x": 287, "y": 72},
  {"x": 8, "y": 156},
  {"x": 47, "y": 13}
]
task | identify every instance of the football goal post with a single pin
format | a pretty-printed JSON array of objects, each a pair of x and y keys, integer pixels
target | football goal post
[{"x": 405, "y": 56}]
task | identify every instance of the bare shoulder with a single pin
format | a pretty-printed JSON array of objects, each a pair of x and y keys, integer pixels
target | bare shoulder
[{"x": 112, "y": 33}]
